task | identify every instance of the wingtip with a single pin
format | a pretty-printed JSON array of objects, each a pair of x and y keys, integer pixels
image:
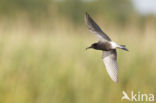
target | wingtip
[
  {"x": 115, "y": 80},
  {"x": 114, "y": 77},
  {"x": 86, "y": 17},
  {"x": 86, "y": 13}
]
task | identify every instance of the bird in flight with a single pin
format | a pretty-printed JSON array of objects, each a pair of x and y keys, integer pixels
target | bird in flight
[{"x": 108, "y": 47}]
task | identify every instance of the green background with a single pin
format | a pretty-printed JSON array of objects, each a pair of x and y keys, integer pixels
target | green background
[{"x": 43, "y": 57}]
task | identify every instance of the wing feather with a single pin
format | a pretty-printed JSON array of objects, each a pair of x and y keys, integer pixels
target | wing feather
[
  {"x": 94, "y": 28},
  {"x": 110, "y": 61}
]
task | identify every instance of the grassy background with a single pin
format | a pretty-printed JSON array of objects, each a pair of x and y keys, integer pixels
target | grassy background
[
  {"x": 43, "y": 58},
  {"x": 52, "y": 66}
]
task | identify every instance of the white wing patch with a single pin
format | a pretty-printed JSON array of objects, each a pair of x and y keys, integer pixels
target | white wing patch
[
  {"x": 114, "y": 45},
  {"x": 109, "y": 59}
]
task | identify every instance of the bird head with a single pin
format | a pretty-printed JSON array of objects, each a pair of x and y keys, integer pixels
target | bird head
[{"x": 94, "y": 46}]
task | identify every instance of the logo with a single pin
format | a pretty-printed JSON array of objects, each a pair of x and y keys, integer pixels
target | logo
[{"x": 137, "y": 96}]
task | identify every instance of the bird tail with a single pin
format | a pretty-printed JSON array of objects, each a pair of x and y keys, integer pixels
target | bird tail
[{"x": 123, "y": 47}]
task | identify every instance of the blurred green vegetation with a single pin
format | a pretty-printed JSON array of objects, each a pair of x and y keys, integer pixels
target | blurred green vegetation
[
  {"x": 43, "y": 57},
  {"x": 118, "y": 10}
]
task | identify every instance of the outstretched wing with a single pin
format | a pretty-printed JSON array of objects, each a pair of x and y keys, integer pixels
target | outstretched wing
[
  {"x": 93, "y": 27},
  {"x": 110, "y": 61}
]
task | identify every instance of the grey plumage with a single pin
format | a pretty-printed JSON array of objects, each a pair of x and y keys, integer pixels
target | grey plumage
[
  {"x": 94, "y": 28},
  {"x": 108, "y": 47},
  {"x": 110, "y": 61}
]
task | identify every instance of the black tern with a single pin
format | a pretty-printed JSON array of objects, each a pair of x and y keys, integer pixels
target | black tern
[{"x": 109, "y": 54}]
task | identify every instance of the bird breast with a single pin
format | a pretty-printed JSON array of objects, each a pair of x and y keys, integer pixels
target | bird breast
[{"x": 105, "y": 46}]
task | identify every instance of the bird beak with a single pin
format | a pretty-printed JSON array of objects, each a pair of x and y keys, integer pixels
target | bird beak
[{"x": 88, "y": 47}]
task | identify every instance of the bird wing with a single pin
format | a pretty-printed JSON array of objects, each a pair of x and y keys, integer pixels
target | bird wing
[
  {"x": 94, "y": 28},
  {"x": 110, "y": 61}
]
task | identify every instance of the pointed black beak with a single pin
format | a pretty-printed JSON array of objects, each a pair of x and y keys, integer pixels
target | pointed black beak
[{"x": 88, "y": 47}]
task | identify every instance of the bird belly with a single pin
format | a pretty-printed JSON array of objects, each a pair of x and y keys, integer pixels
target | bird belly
[{"x": 105, "y": 46}]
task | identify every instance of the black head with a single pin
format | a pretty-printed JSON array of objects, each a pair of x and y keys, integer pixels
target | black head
[{"x": 94, "y": 46}]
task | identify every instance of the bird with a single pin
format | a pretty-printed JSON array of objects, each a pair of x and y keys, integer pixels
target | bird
[{"x": 107, "y": 46}]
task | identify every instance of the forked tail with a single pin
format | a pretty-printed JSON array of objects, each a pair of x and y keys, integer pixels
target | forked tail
[{"x": 123, "y": 47}]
